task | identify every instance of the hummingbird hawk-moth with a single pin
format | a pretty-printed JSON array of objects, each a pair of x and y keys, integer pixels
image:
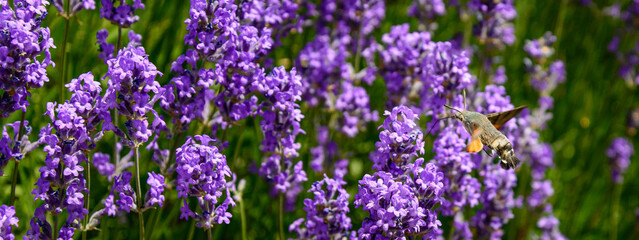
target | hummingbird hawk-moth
[{"x": 484, "y": 130}]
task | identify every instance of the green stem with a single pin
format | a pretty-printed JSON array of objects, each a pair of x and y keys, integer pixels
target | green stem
[
  {"x": 158, "y": 214},
  {"x": 88, "y": 198},
  {"x": 17, "y": 162},
  {"x": 64, "y": 52},
  {"x": 615, "y": 211},
  {"x": 452, "y": 230},
  {"x": 209, "y": 233},
  {"x": 174, "y": 143},
  {"x": 191, "y": 230},
  {"x": 55, "y": 226},
  {"x": 359, "y": 46},
  {"x": 139, "y": 191},
  {"x": 14, "y": 181},
  {"x": 281, "y": 214},
  {"x": 243, "y": 217}
]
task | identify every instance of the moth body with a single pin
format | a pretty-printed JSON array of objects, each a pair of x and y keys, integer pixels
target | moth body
[{"x": 484, "y": 132}]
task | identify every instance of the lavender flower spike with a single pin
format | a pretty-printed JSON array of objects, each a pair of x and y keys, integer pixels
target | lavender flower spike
[
  {"x": 400, "y": 141},
  {"x": 154, "y": 194},
  {"x": 619, "y": 152},
  {"x": 7, "y": 219},
  {"x": 74, "y": 6},
  {"x": 202, "y": 173},
  {"x": 325, "y": 213}
]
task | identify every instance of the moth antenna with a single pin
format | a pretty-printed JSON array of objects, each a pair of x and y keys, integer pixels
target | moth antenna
[
  {"x": 451, "y": 108},
  {"x": 464, "y": 92},
  {"x": 431, "y": 127}
]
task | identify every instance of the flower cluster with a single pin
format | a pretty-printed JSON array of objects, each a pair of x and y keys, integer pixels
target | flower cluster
[
  {"x": 76, "y": 125},
  {"x": 154, "y": 194},
  {"x": 106, "y": 50},
  {"x": 202, "y": 172},
  {"x": 281, "y": 115},
  {"x": 549, "y": 226},
  {"x": 400, "y": 197},
  {"x": 402, "y": 55},
  {"x": 279, "y": 15},
  {"x": 131, "y": 80},
  {"x": 62, "y": 172},
  {"x": 543, "y": 76},
  {"x": 401, "y": 206},
  {"x": 74, "y": 6},
  {"x": 619, "y": 152},
  {"x": 461, "y": 189},
  {"x": 417, "y": 68},
  {"x": 343, "y": 33},
  {"x": 497, "y": 199},
  {"x": 629, "y": 59},
  {"x": 22, "y": 42},
  {"x": 400, "y": 141},
  {"x": 7, "y": 219},
  {"x": 218, "y": 37},
  {"x": 497, "y": 196},
  {"x": 13, "y": 148},
  {"x": 126, "y": 199},
  {"x": 326, "y": 155},
  {"x": 122, "y": 15},
  {"x": 427, "y": 11},
  {"x": 494, "y": 27},
  {"x": 325, "y": 213}
]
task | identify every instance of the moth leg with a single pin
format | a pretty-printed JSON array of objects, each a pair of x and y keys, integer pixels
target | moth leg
[{"x": 491, "y": 153}]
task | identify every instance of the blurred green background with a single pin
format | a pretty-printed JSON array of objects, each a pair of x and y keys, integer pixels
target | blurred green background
[{"x": 590, "y": 110}]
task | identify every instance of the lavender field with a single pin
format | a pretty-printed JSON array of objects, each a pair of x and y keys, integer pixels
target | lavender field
[{"x": 335, "y": 119}]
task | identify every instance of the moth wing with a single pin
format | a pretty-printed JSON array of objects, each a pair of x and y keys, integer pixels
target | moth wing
[
  {"x": 499, "y": 119},
  {"x": 475, "y": 142}
]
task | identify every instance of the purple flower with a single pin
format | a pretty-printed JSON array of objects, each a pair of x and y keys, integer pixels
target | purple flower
[
  {"x": 427, "y": 11},
  {"x": 121, "y": 196},
  {"x": 24, "y": 53},
  {"x": 74, "y": 6},
  {"x": 216, "y": 36},
  {"x": 400, "y": 141},
  {"x": 444, "y": 72},
  {"x": 402, "y": 55},
  {"x": 401, "y": 206},
  {"x": 544, "y": 78},
  {"x": 281, "y": 16},
  {"x": 541, "y": 191},
  {"x": 498, "y": 200},
  {"x": 460, "y": 187},
  {"x": 331, "y": 65},
  {"x": 106, "y": 50},
  {"x": 619, "y": 152},
  {"x": 101, "y": 161},
  {"x": 131, "y": 80},
  {"x": 325, "y": 213},
  {"x": 13, "y": 148},
  {"x": 549, "y": 225},
  {"x": 325, "y": 156},
  {"x": 202, "y": 172},
  {"x": 187, "y": 95},
  {"x": 122, "y": 15},
  {"x": 494, "y": 27},
  {"x": 541, "y": 48},
  {"x": 8, "y": 218},
  {"x": 281, "y": 115},
  {"x": 75, "y": 123},
  {"x": 500, "y": 75},
  {"x": 154, "y": 194},
  {"x": 353, "y": 103}
]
